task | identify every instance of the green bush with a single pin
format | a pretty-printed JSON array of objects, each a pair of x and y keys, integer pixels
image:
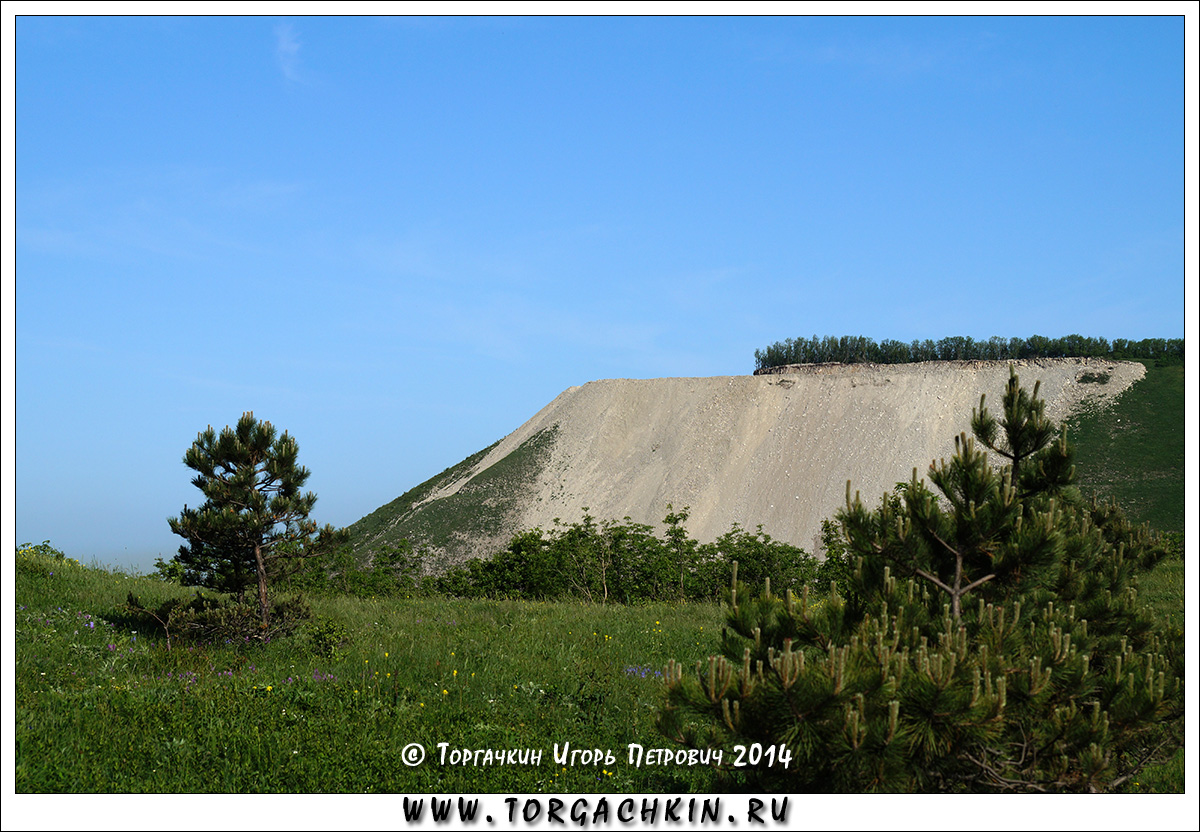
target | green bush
[
  {"x": 40, "y": 550},
  {"x": 327, "y": 638},
  {"x": 627, "y": 563},
  {"x": 335, "y": 570},
  {"x": 209, "y": 619}
]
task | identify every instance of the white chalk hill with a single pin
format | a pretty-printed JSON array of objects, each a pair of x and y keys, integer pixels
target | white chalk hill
[{"x": 773, "y": 449}]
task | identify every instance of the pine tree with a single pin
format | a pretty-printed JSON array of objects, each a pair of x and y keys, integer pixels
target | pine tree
[
  {"x": 254, "y": 512},
  {"x": 992, "y": 640},
  {"x": 225, "y": 564}
]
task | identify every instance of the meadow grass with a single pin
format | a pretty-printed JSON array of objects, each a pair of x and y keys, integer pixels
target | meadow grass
[{"x": 103, "y": 705}]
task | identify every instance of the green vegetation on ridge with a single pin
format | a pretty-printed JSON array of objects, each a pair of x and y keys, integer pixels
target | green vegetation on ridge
[
  {"x": 375, "y": 525},
  {"x": 858, "y": 349},
  {"x": 477, "y": 510}
]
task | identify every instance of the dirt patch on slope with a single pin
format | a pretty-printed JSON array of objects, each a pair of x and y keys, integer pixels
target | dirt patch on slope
[{"x": 773, "y": 449}]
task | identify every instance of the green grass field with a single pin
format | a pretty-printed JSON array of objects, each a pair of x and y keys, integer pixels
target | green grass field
[{"x": 102, "y": 707}]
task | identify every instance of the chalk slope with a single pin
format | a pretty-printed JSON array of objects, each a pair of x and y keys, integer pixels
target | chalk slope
[{"x": 774, "y": 449}]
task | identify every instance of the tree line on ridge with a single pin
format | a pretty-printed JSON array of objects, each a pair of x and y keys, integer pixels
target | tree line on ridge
[{"x": 858, "y": 349}]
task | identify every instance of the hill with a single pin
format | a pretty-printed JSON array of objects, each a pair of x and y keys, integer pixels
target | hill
[
  {"x": 774, "y": 449},
  {"x": 1134, "y": 450}
]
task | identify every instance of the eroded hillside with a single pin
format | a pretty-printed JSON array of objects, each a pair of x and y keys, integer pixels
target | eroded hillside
[{"x": 773, "y": 449}]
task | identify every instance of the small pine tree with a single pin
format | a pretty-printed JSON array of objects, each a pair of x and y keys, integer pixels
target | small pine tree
[
  {"x": 254, "y": 512},
  {"x": 992, "y": 640}
]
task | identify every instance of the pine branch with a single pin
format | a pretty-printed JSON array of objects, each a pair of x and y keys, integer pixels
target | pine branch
[
  {"x": 945, "y": 587},
  {"x": 978, "y": 583}
]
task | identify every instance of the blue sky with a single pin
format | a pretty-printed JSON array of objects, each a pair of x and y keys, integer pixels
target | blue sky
[{"x": 397, "y": 239}]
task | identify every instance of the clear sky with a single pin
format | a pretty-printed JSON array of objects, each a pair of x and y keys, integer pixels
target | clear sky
[{"x": 399, "y": 238}]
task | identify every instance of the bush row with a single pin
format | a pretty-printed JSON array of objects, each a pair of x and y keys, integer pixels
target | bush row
[{"x": 602, "y": 562}]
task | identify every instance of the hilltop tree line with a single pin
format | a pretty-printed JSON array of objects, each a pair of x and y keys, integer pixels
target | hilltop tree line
[{"x": 851, "y": 349}]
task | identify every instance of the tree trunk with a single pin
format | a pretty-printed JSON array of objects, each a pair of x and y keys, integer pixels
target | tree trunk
[{"x": 262, "y": 585}]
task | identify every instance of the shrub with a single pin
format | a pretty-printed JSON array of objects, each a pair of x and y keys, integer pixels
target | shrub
[{"x": 205, "y": 618}]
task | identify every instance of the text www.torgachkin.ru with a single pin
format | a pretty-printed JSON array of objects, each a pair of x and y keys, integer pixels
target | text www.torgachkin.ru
[{"x": 597, "y": 811}]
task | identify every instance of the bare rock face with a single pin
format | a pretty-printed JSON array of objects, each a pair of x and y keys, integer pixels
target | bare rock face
[{"x": 774, "y": 449}]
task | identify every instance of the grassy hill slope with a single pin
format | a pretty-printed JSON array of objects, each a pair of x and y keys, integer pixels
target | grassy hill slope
[
  {"x": 462, "y": 503},
  {"x": 1134, "y": 449}
]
